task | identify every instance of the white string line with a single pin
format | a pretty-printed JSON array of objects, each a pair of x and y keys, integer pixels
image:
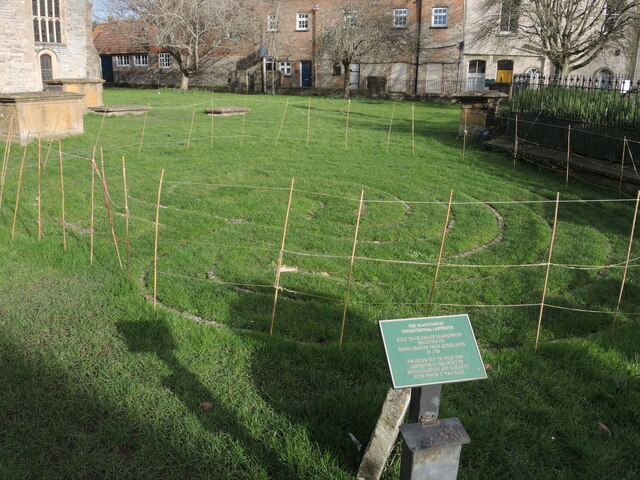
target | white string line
[
  {"x": 460, "y": 265},
  {"x": 303, "y": 105},
  {"x": 360, "y": 302},
  {"x": 414, "y": 202}
]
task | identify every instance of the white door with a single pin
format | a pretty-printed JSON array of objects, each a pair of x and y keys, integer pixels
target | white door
[
  {"x": 398, "y": 77},
  {"x": 476, "y": 75},
  {"x": 354, "y": 75}
]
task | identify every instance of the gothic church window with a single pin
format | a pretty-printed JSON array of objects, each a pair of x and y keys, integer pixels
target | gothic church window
[{"x": 46, "y": 21}]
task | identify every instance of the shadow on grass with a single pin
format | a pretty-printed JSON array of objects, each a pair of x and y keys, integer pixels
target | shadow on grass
[{"x": 154, "y": 336}]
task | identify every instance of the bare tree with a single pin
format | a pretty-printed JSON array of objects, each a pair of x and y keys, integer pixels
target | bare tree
[
  {"x": 570, "y": 33},
  {"x": 360, "y": 29},
  {"x": 191, "y": 31}
]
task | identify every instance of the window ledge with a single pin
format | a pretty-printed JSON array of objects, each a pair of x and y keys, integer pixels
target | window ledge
[{"x": 439, "y": 26}]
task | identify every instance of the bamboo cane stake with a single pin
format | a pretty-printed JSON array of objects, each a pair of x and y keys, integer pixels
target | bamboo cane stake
[
  {"x": 93, "y": 190},
  {"x": 464, "y": 135},
  {"x": 277, "y": 283},
  {"x": 626, "y": 263},
  {"x": 5, "y": 159},
  {"x": 346, "y": 128},
  {"x": 126, "y": 215},
  {"x": 566, "y": 178},
  {"x": 546, "y": 276},
  {"x": 515, "y": 144},
  {"x": 106, "y": 201},
  {"x": 353, "y": 254},
  {"x": 444, "y": 234},
  {"x": 193, "y": 119},
  {"x": 393, "y": 112},
  {"x": 155, "y": 245},
  {"x": 39, "y": 188},
  {"x": 64, "y": 231},
  {"x": 308, "y": 121},
  {"x": 46, "y": 158},
  {"x": 286, "y": 104},
  {"x": 413, "y": 128},
  {"x": 95, "y": 145},
  {"x": 244, "y": 121},
  {"x": 15, "y": 211},
  {"x": 211, "y": 122},
  {"x": 624, "y": 151},
  {"x": 144, "y": 128}
]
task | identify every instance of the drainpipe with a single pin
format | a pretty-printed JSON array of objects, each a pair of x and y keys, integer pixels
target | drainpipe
[
  {"x": 314, "y": 35},
  {"x": 417, "y": 69},
  {"x": 462, "y": 44}
]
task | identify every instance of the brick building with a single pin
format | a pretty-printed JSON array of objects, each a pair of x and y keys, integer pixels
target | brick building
[
  {"x": 445, "y": 56},
  {"x": 287, "y": 46},
  {"x": 44, "y": 39}
]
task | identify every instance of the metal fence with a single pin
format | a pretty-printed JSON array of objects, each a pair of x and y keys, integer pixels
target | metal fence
[{"x": 607, "y": 100}]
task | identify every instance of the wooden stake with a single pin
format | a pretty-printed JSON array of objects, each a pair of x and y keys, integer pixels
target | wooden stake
[
  {"x": 46, "y": 158},
  {"x": 444, "y": 234},
  {"x": 515, "y": 144},
  {"x": 144, "y": 128},
  {"x": 212, "y": 121},
  {"x": 95, "y": 145},
  {"x": 277, "y": 284},
  {"x": 353, "y": 254},
  {"x": 626, "y": 263},
  {"x": 346, "y": 128},
  {"x": 566, "y": 178},
  {"x": 624, "y": 151},
  {"x": 193, "y": 118},
  {"x": 94, "y": 168},
  {"x": 155, "y": 245},
  {"x": 286, "y": 104},
  {"x": 546, "y": 276},
  {"x": 244, "y": 120},
  {"x": 308, "y": 121},
  {"x": 106, "y": 201},
  {"x": 393, "y": 112},
  {"x": 464, "y": 136},
  {"x": 39, "y": 188},
  {"x": 64, "y": 231},
  {"x": 15, "y": 211},
  {"x": 126, "y": 216},
  {"x": 5, "y": 160},
  {"x": 413, "y": 128}
]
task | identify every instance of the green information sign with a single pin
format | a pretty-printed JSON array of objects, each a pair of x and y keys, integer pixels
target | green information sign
[{"x": 431, "y": 350}]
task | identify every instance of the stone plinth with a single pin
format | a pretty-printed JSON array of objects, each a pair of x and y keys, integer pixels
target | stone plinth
[
  {"x": 226, "y": 111},
  {"x": 476, "y": 108},
  {"x": 91, "y": 88},
  {"x": 41, "y": 114},
  {"x": 117, "y": 110}
]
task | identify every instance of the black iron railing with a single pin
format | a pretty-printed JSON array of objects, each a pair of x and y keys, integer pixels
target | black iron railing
[{"x": 606, "y": 100}]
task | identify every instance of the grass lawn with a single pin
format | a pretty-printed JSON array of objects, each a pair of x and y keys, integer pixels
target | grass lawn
[{"x": 96, "y": 383}]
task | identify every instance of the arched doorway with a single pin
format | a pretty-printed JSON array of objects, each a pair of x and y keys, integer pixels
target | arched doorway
[{"x": 46, "y": 67}]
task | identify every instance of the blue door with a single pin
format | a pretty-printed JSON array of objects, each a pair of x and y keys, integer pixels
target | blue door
[
  {"x": 107, "y": 69},
  {"x": 305, "y": 74}
]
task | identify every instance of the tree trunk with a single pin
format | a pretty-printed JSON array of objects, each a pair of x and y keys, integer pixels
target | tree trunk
[
  {"x": 346, "y": 83},
  {"x": 184, "y": 81}
]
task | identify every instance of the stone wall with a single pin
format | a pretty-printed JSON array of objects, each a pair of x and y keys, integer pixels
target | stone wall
[{"x": 74, "y": 57}]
